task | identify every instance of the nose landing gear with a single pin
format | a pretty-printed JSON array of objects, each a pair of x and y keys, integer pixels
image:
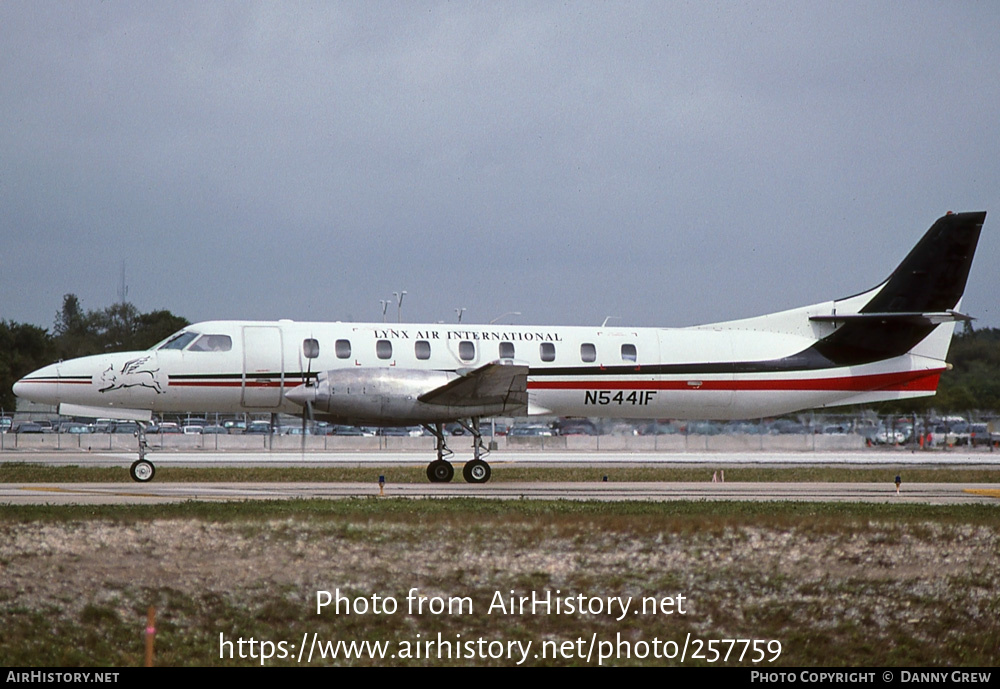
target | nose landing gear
[{"x": 142, "y": 470}]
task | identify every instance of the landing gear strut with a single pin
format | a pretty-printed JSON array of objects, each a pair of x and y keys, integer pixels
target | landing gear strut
[
  {"x": 440, "y": 470},
  {"x": 475, "y": 470},
  {"x": 142, "y": 470}
]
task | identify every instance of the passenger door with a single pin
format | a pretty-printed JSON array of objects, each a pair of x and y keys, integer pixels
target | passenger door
[{"x": 263, "y": 367}]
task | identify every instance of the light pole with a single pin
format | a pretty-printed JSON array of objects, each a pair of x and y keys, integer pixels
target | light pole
[
  {"x": 460, "y": 312},
  {"x": 385, "y": 305},
  {"x": 399, "y": 305}
]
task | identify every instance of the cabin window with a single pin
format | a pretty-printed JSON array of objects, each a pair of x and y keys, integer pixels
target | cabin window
[
  {"x": 506, "y": 350},
  {"x": 310, "y": 348},
  {"x": 466, "y": 350},
  {"x": 588, "y": 352},
  {"x": 422, "y": 348},
  {"x": 179, "y": 341},
  {"x": 547, "y": 350},
  {"x": 383, "y": 349},
  {"x": 212, "y": 343},
  {"x": 628, "y": 352},
  {"x": 343, "y": 349}
]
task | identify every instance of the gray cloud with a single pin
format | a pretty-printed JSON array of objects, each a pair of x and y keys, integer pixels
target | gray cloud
[{"x": 666, "y": 163}]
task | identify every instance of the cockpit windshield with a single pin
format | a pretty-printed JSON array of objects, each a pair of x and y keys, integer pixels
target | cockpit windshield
[
  {"x": 178, "y": 340},
  {"x": 196, "y": 342}
]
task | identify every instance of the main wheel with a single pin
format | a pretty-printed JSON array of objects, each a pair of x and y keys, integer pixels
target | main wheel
[
  {"x": 440, "y": 471},
  {"x": 476, "y": 471},
  {"x": 142, "y": 470}
]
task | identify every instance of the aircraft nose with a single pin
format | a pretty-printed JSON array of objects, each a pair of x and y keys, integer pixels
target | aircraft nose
[{"x": 39, "y": 386}]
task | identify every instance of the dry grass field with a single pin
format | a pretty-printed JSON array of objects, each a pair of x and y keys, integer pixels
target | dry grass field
[{"x": 835, "y": 585}]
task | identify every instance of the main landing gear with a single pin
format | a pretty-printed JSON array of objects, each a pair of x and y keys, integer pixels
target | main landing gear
[
  {"x": 142, "y": 470},
  {"x": 476, "y": 470}
]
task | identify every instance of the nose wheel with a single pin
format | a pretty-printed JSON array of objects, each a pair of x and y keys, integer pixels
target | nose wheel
[{"x": 142, "y": 470}]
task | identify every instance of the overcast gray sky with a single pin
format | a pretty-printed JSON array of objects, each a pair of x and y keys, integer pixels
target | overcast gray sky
[{"x": 669, "y": 163}]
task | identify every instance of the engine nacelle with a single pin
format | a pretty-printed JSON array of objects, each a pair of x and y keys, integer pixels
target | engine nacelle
[{"x": 383, "y": 397}]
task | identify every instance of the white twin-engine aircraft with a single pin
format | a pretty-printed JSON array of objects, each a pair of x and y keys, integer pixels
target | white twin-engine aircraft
[{"x": 888, "y": 343}]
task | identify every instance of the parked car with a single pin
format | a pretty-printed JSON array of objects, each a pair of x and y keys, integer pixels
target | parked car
[
  {"x": 575, "y": 427},
  {"x": 703, "y": 428},
  {"x": 259, "y": 428},
  {"x": 979, "y": 435},
  {"x": 401, "y": 431},
  {"x": 234, "y": 427},
  {"x": 889, "y": 436},
  {"x": 347, "y": 430},
  {"x": 530, "y": 431}
]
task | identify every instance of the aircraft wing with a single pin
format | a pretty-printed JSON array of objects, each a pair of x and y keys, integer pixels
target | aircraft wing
[{"x": 493, "y": 384}]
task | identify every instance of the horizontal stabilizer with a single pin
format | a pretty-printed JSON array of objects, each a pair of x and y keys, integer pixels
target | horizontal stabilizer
[
  {"x": 493, "y": 384},
  {"x": 908, "y": 317}
]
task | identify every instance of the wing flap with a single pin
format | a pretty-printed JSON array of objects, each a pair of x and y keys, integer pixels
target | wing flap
[{"x": 495, "y": 384}]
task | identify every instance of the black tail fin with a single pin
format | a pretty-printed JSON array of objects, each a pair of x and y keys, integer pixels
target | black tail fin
[
  {"x": 920, "y": 294},
  {"x": 933, "y": 275}
]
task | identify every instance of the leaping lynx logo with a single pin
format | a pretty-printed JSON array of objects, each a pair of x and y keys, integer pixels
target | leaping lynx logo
[{"x": 132, "y": 375}]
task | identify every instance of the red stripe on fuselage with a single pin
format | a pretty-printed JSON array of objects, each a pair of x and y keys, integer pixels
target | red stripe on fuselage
[
  {"x": 904, "y": 381},
  {"x": 919, "y": 381},
  {"x": 233, "y": 383}
]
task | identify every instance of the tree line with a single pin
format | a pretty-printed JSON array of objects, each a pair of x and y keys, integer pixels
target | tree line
[
  {"x": 973, "y": 383},
  {"x": 75, "y": 332}
]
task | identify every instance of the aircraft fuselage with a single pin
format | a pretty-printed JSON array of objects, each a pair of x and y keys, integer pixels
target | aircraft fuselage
[{"x": 685, "y": 373}]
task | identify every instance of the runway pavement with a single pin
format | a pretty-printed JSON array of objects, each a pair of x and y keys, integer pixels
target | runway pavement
[
  {"x": 158, "y": 492},
  {"x": 154, "y": 493}
]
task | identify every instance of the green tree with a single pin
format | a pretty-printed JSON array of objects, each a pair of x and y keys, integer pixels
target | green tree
[
  {"x": 156, "y": 326},
  {"x": 23, "y": 348},
  {"x": 972, "y": 383},
  {"x": 73, "y": 332},
  {"x": 117, "y": 328}
]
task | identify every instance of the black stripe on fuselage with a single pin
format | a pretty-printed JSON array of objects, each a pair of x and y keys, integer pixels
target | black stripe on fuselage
[{"x": 807, "y": 360}]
